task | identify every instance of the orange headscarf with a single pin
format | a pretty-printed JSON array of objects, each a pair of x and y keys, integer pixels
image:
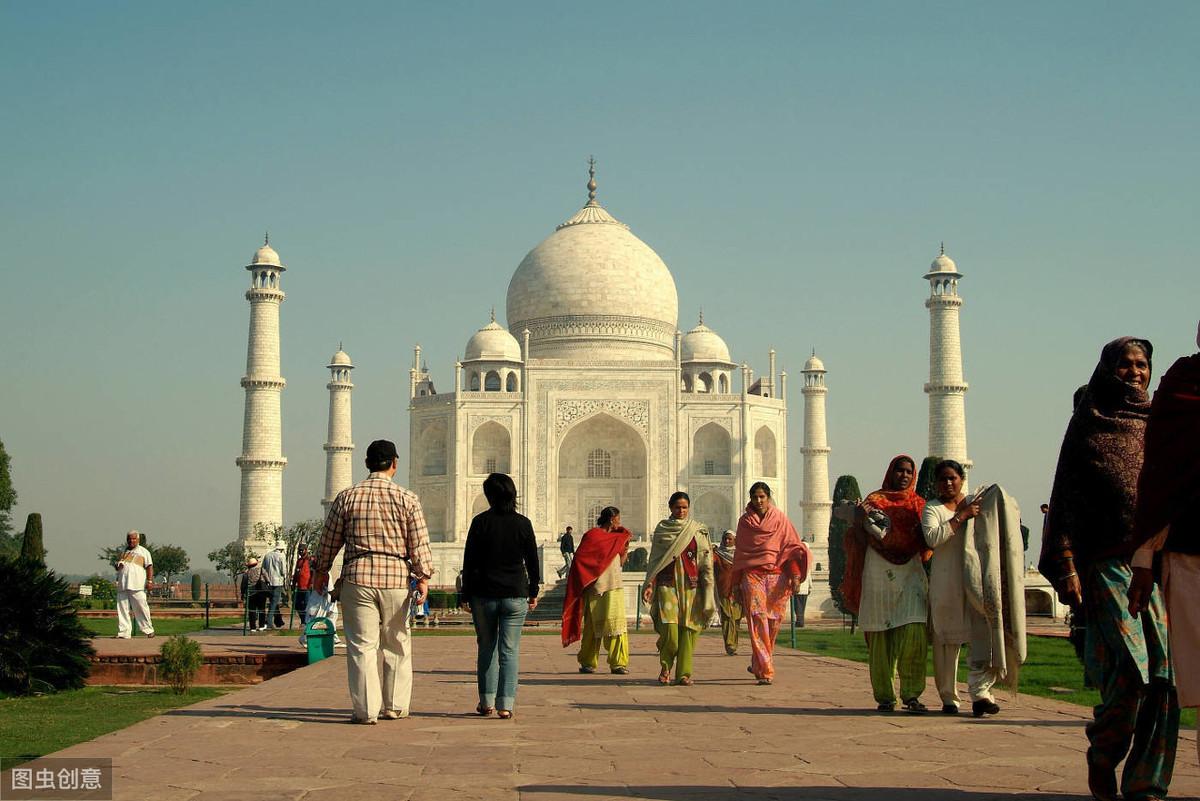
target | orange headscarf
[{"x": 904, "y": 539}]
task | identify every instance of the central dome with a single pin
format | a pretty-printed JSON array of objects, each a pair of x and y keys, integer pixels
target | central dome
[{"x": 593, "y": 289}]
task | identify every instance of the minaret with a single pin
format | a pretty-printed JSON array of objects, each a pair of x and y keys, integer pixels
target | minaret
[
  {"x": 946, "y": 387},
  {"x": 817, "y": 505},
  {"x": 262, "y": 459},
  {"x": 339, "y": 450}
]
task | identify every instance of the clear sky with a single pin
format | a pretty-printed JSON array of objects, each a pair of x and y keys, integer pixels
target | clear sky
[{"x": 795, "y": 164}]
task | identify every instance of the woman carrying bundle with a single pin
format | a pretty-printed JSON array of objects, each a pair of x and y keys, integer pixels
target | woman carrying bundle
[
  {"x": 679, "y": 588},
  {"x": 595, "y": 596}
]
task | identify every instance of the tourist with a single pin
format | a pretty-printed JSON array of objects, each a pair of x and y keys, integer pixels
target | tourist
[
  {"x": 594, "y": 608},
  {"x": 1086, "y": 554},
  {"x": 948, "y": 522},
  {"x": 679, "y": 588},
  {"x": 274, "y": 568},
  {"x": 255, "y": 592},
  {"x": 566, "y": 546},
  {"x": 729, "y": 595},
  {"x": 1164, "y": 520},
  {"x": 135, "y": 575},
  {"x": 770, "y": 564},
  {"x": 886, "y": 586},
  {"x": 302, "y": 582},
  {"x": 501, "y": 578},
  {"x": 382, "y": 528}
]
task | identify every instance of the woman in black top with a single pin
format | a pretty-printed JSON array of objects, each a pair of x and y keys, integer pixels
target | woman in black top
[{"x": 500, "y": 585}]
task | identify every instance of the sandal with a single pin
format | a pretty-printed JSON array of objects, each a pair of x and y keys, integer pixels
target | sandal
[
  {"x": 915, "y": 706},
  {"x": 685, "y": 681},
  {"x": 483, "y": 711},
  {"x": 664, "y": 677},
  {"x": 504, "y": 714},
  {"x": 764, "y": 681}
]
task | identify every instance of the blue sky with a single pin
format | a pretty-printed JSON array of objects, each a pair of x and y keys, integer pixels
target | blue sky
[{"x": 795, "y": 165}]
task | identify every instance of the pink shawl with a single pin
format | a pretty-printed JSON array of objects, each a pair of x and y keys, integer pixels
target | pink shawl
[{"x": 770, "y": 543}]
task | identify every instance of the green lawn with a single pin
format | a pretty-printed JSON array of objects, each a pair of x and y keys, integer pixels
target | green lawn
[
  {"x": 1050, "y": 663},
  {"x": 32, "y": 726},
  {"x": 107, "y": 626}
]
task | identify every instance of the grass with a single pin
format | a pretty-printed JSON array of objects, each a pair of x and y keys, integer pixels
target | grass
[
  {"x": 33, "y": 726},
  {"x": 107, "y": 626},
  {"x": 1050, "y": 670}
]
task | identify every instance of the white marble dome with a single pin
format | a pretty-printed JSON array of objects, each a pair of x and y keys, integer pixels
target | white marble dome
[
  {"x": 340, "y": 359},
  {"x": 943, "y": 264},
  {"x": 814, "y": 365},
  {"x": 493, "y": 343},
  {"x": 266, "y": 257},
  {"x": 702, "y": 344},
  {"x": 593, "y": 288}
]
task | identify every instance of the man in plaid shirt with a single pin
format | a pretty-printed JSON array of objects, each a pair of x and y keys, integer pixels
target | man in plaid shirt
[{"x": 382, "y": 528}]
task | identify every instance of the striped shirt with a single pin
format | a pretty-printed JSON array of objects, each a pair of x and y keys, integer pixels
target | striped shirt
[{"x": 383, "y": 530}]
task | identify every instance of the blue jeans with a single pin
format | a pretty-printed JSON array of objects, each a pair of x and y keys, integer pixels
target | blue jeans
[
  {"x": 498, "y": 634},
  {"x": 276, "y": 619}
]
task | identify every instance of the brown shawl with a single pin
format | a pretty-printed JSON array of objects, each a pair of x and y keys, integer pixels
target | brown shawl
[
  {"x": 903, "y": 541},
  {"x": 1169, "y": 484},
  {"x": 1095, "y": 484}
]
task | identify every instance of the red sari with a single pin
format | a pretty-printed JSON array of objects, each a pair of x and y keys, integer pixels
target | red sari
[{"x": 596, "y": 551}]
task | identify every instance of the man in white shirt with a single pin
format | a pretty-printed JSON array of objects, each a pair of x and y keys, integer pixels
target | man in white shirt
[
  {"x": 274, "y": 567},
  {"x": 135, "y": 574}
]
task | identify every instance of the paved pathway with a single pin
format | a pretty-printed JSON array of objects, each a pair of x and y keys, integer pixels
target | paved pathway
[{"x": 812, "y": 735}]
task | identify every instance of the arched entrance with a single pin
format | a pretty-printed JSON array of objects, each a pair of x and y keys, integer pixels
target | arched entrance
[{"x": 602, "y": 462}]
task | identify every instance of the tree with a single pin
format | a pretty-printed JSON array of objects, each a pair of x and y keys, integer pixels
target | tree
[
  {"x": 113, "y": 555},
  {"x": 844, "y": 491},
  {"x": 229, "y": 559},
  {"x": 10, "y": 542},
  {"x": 169, "y": 561},
  {"x": 45, "y": 646},
  {"x": 307, "y": 532},
  {"x": 31, "y": 544},
  {"x": 926, "y": 480}
]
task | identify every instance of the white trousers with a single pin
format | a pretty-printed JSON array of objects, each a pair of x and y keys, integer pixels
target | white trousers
[
  {"x": 945, "y": 676},
  {"x": 135, "y": 599},
  {"x": 369, "y": 614}
]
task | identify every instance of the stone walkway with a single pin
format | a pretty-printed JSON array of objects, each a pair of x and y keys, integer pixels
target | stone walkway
[{"x": 814, "y": 734}]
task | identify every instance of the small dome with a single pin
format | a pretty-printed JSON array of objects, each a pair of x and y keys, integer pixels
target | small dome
[
  {"x": 943, "y": 263},
  {"x": 340, "y": 359},
  {"x": 702, "y": 344},
  {"x": 493, "y": 343},
  {"x": 814, "y": 365},
  {"x": 265, "y": 257}
]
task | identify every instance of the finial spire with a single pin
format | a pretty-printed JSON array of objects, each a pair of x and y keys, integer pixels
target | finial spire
[
  {"x": 591, "y": 184},
  {"x": 267, "y": 238},
  {"x": 340, "y": 345},
  {"x": 701, "y": 315},
  {"x": 943, "y": 249},
  {"x": 814, "y": 350},
  {"x": 493, "y": 312}
]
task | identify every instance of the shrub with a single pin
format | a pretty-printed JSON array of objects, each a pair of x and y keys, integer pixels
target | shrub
[
  {"x": 44, "y": 646},
  {"x": 181, "y": 659},
  {"x": 197, "y": 586},
  {"x": 31, "y": 545},
  {"x": 442, "y": 599}
]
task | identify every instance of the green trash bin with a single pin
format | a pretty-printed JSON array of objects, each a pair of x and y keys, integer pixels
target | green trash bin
[{"x": 318, "y": 635}]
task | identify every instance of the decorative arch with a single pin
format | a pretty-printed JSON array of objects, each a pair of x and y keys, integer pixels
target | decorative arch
[
  {"x": 474, "y": 381},
  {"x": 602, "y": 461},
  {"x": 714, "y": 510},
  {"x": 687, "y": 382},
  {"x": 712, "y": 451},
  {"x": 704, "y": 382},
  {"x": 491, "y": 449},
  {"x": 765, "y": 461},
  {"x": 491, "y": 382},
  {"x": 723, "y": 384},
  {"x": 431, "y": 449},
  {"x": 433, "y": 504},
  {"x": 510, "y": 383}
]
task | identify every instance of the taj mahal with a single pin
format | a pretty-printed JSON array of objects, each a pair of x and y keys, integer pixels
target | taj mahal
[{"x": 591, "y": 396}]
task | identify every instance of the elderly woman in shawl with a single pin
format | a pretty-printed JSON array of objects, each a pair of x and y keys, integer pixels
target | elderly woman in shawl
[
  {"x": 1086, "y": 551},
  {"x": 1165, "y": 519},
  {"x": 679, "y": 588},
  {"x": 770, "y": 564},
  {"x": 886, "y": 586},
  {"x": 729, "y": 596},
  {"x": 595, "y": 596}
]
